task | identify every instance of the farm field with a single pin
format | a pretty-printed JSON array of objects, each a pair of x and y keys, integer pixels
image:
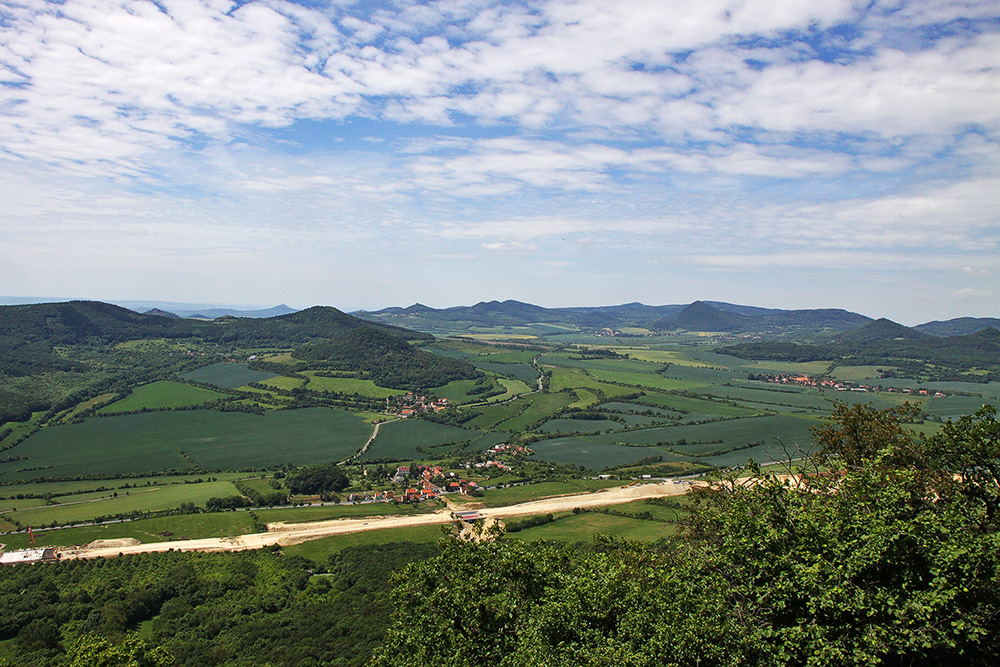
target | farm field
[
  {"x": 226, "y": 375},
  {"x": 662, "y": 408},
  {"x": 581, "y": 527},
  {"x": 519, "y": 494},
  {"x": 532, "y": 409},
  {"x": 410, "y": 439},
  {"x": 162, "y": 394},
  {"x": 283, "y": 382},
  {"x": 758, "y": 437},
  {"x": 319, "y": 550},
  {"x": 191, "y": 526},
  {"x": 135, "y": 444},
  {"x": 574, "y": 378},
  {"x": 349, "y": 385},
  {"x": 524, "y": 372},
  {"x": 75, "y": 509}
]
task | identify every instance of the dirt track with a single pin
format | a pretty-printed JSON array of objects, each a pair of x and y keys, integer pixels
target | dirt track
[{"x": 283, "y": 534}]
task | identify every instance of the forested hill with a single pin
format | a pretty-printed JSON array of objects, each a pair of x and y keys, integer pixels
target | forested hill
[
  {"x": 77, "y": 322},
  {"x": 697, "y": 316},
  {"x": 958, "y": 326},
  {"x": 898, "y": 349},
  {"x": 704, "y": 316},
  {"x": 386, "y": 359}
]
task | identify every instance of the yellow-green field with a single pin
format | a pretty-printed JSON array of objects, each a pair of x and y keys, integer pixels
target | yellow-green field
[
  {"x": 350, "y": 385},
  {"x": 284, "y": 382},
  {"x": 162, "y": 394}
]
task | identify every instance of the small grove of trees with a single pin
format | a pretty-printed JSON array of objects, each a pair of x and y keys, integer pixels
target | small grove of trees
[
  {"x": 887, "y": 555},
  {"x": 319, "y": 479}
]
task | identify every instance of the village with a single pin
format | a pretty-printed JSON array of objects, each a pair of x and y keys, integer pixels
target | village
[
  {"x": 409, "y": 404},
  {"x": 427, "y": 482},
  {"x": 840, "y": 385}
]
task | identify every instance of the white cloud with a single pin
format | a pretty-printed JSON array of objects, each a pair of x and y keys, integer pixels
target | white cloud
[
  {"x": 473, "y": 126},
  {"x": 969, "y": 293}
]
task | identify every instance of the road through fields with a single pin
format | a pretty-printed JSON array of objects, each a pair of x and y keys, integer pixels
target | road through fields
[{"x": 285, "y": 534}]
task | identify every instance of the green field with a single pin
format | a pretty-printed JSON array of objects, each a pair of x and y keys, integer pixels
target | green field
[
  {"x": 162, "y": 394},
  {"x": 582, "y": 527},
  {"x": 704, "y": 440},
  {"x": 227, "y": 376},
  {"x": 319, "y": 550},
  {"x": 519, "y": 494},
  {"x": 193, "y": 526},
  {"x": 855, "y": 373},
  {"x": 767, "y": 394},
  {"x": 534, "y": 408},
  {"x": 400, "y": 440},
  {"x": 135, "y": 444},
  {"x": 283, "y": 382},
  {"x": 134, "y": 500},
  {"x": 457, "y": 392},
  {"x": 579, "y": 426},
  {"x": 350, "y": 385},
  {"x": 572, "y": 378},
  {"x": 523, "y": 372}
]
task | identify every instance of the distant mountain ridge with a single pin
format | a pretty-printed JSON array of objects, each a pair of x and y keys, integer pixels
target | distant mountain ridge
[
  {"x": 958, "y": 326},
  {"x": 75, "y": 322},
  {"x": 717, "y": 316},
  {"x": 213, "y": 313},
  {"x": 698, "y": 316}
]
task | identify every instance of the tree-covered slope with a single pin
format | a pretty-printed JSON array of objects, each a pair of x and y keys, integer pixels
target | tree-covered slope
[
  {"x": 386, "y": 359},
  {"x": 890, "y": 561},
  {"x": 959, "y": 326},
  {"x": 889, "y": 344}
]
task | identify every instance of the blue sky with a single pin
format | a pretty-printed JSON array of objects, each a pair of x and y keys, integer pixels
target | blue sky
[{"x": 780, "y": 153}]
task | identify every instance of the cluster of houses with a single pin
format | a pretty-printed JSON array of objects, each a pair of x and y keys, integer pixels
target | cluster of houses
[
  {"x": 839, "y": 385},
  {"x": 423, "y": 485},
  {"x": 510, "y": 450},
  {"x": 408, "y": 404}
]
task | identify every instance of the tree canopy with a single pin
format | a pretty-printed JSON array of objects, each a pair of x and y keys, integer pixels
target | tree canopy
[
  {"x": 324, "y": 478},
  {"x": 886, "y": 554}
]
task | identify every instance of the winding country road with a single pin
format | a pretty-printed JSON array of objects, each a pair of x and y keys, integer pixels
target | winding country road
[{"x": 283, "y": 534}]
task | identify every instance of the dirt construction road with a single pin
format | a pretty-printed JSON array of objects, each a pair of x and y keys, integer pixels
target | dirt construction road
[{"x": 283, "y": 534}]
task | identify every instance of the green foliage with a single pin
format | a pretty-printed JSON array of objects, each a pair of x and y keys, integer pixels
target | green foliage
[
  {"x": 892, "y": 561},
  {"x": 387, "y": 360},
  {"x": 885, "y": 343},
  {"x": 326, "y": 478},
  {"x": 96, "y": 651},
  {"x": 250, "y": 608}
]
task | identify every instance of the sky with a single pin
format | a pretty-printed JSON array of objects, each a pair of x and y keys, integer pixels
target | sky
[{"x": 778, "y": 153}]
